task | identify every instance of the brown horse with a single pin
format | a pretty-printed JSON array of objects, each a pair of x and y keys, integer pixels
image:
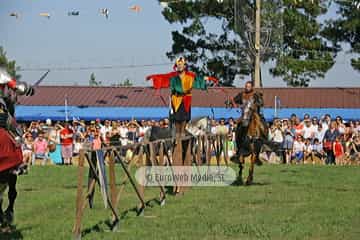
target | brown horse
[{"x": 251, "y": 134}]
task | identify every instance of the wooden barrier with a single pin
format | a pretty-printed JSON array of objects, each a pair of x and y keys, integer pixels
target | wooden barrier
[{"x": 146, "y": 156}]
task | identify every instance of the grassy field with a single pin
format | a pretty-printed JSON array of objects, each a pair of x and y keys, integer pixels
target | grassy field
[{"x": 285, "y": 202}]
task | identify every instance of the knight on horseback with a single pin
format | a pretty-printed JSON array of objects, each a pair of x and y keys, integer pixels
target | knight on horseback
[
  {"x": 10, "y": 140},
  {"x": 251, "y": 130}
]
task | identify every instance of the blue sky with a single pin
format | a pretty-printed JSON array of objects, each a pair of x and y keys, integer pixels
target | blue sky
[{"x": 125, "y": 38}]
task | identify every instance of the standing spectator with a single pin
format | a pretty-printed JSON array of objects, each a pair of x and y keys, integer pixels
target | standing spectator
[
  {"x": 308, "y": 130},
  {"x": 319, "y": 134},
  {"x": 330, "y": 136},
  {"x": 288, "y": 145},
  {"x": 105, "y": 128},
  {"x": 132, "y": 134},
  {"x": 222, "y": 128},
  {"x": 298, "y": 126},
  {"x": 340, "y": 125},
  {"x": 123, "y": 131},
  {"x": 66, "y": 136},
  {"x": 276, "y": 136},
  {"x": 40, "y": 149},
  {"x": 54, "y": 138},
  {"x": 338, "y": 151},
  {"x": 298, "y": 149},
  {"x": 34, "y": 130},
  {"x": 142, "y": 130}
]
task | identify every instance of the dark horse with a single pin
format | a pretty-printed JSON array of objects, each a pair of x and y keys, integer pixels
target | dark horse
[{"x": 251, "y": 134}]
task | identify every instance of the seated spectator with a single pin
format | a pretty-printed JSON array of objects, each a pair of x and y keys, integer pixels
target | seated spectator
[
  {"x": 354, "y": 150},
  {"x": 298, "y": 149},
  {"x": 27, "y": 148},
  {"x": 40, "y": 149},
  {"x": 308, "y": 150},
  {"x": 318, "y": 149}
]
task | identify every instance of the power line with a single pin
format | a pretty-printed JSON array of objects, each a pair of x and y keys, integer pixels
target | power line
[{"x": 37, "y": 69}]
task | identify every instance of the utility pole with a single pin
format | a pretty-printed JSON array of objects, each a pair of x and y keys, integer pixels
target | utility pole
[{"x": 257, "y": 44}]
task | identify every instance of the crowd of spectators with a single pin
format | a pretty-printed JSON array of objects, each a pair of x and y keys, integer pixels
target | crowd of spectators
[{"x": 333, "y": 141}]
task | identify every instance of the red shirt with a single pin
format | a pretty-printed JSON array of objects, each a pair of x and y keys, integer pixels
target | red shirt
[
  {"x": 338, "y": 149},
  {"x": 66, "y": 140}
]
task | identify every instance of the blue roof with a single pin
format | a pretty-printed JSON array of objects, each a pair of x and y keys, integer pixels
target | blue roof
[{"x": 57, "y": 113}]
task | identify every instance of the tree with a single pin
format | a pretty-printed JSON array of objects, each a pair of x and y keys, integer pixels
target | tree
[
  {"x": 295, "y": 44},
  {"x": 93, "y": 82},
  {"x": 126, "y": 83},
  {"x": 346, "y": 28},
  {"x": 10, "y": 66},
  {"x": 305, "y": 54}
]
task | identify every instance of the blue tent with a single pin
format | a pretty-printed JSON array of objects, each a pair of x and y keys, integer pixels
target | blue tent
[{"x": 58, "y": 113}]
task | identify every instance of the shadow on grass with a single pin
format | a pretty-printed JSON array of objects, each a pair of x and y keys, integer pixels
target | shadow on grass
[{"x": 239, "y": 183}]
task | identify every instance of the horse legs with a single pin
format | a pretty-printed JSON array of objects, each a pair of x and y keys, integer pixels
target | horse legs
[
  {"x": 241, "y": 167},
  {"x": 12, "y": 193},
  {"x": 2, "y": 190},
  {"x": 251, "y": 169}
]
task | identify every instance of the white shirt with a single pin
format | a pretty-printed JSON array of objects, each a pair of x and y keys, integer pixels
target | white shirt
[
  {"x": 123, "y": 132},
  {"x": 277, "y": 136},
  {"x": 308, "y": 148},
  {"x": 320, "y": 134},
  {"x": 298, "y": 146},
  {"x": 104, "y": 130},
  {"x": 308, "y": 131}
]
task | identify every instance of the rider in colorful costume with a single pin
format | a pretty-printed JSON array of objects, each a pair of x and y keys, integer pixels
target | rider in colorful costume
[{"x": 181, "y": 82}]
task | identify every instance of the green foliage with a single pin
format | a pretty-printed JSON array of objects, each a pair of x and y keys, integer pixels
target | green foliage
[
  {"x": 291, "y": 26},
  {"x": 10, "y": 66},
  {"x": 126, "y": 83},
  {"x": 93, "y": 82},
  {"x": 346, "y": 28}
]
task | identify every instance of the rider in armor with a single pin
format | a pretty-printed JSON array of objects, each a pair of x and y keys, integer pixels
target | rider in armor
[
  {"x": 245, "y": 97},
  {"x": 9, "y": 132}
]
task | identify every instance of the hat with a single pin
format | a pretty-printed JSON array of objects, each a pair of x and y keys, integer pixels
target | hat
[
  {"x": 92, "y": 122},
  {"x": 48, "y": 121}
]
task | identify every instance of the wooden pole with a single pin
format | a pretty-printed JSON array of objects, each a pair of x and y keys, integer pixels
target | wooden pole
[
  {"x": 257, "y": 44},
  {"x": 79, "y": 208}
]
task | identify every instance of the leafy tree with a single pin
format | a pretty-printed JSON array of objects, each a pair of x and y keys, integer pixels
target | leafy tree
[
  {"x": 346, "y": 28},
  {"x": 93, "y": 82},
  {"x": 126, "y": 83},
  {"x": 10, "y": 66},
  {"x": 305, "y": 54},
  {"x": 291, "y": 25}
]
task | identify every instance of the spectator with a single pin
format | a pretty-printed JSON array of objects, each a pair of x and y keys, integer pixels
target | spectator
[
  {"x": 298, "y": 149},
  {"x": 66, "y": 136},
  {"x": 320, "y": 133},
  {"x": 340, "y": 125},
  {"x": 27, "y": 148},
  {"x": 338, "y": 151},
  {"x": 308, "y": 150},
  {"x": 318, "y": 149},
  {"x": 40, "y": 149},
  {"x": 308, "y": 130},
  {"x": 288, "y": 145},
  {"x": 54, "y": 138},
  {"x": 354, "y": 149},
  {"x": 329, "y": 138},
  {"x": 105, "y": 129},
  {"x": 34, "y": 129},
  {"x": 222, "y": 129}
]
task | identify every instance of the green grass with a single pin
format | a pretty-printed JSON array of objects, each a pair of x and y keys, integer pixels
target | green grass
[{"x": 286, "y": 202}]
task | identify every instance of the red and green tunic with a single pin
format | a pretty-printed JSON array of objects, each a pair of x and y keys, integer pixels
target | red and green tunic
[{"x": 180, "y": 85}]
